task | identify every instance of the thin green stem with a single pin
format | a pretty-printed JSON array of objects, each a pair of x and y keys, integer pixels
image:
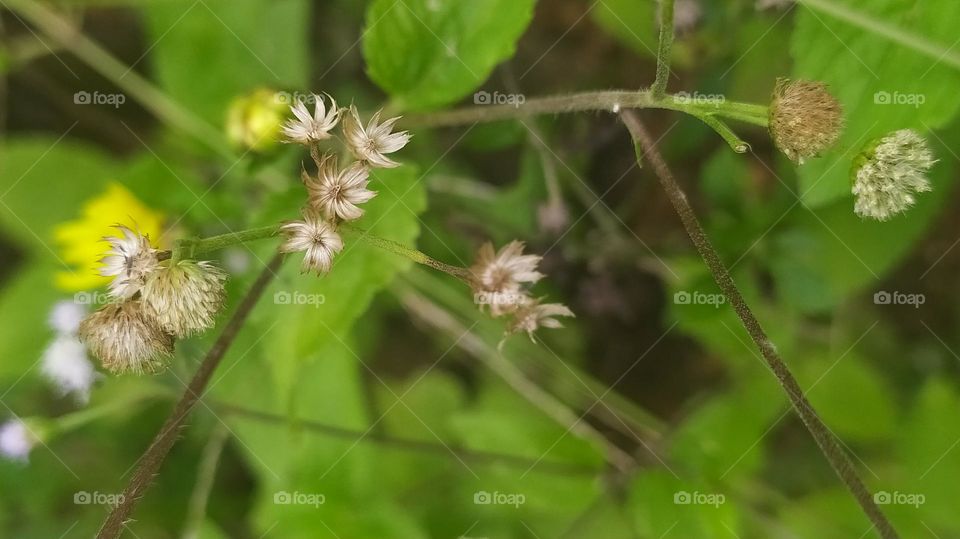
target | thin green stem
[
  {"x": 191, "y": 247},
  {"x": 664, "y": 48},
  {"x": 413, "y": 254},
  {"x": 725, "y": 132}
]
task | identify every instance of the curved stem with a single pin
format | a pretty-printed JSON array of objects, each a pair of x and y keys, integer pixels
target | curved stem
[
  {"x": 191, "y": 247},
  {"x": 725, "y": 132},
  {"x": 825, "y": 440},
  {"x": 154, "y": 456}
]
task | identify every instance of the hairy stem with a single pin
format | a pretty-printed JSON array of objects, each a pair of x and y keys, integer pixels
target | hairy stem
[
  {"x": 828, "y": 445},
  {"x": 156, "y": 453},
  {"x": 191, "y": 247},
  {"x": 417, "y": 256},
  {"x": 664, "y": 48},
  {"x": 609, "y": 100}
]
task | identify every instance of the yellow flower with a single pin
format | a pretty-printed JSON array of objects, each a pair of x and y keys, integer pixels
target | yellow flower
[
  {"x": 254, "y": 120},
  {"x": 81, "y": 240}
]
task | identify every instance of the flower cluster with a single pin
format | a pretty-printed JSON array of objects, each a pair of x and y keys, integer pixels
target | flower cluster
[
  {"x": 500, "y": 281},
  {"x": 154, "y": 302},
  {"x": 335, "y": 193},
  {"x": 888, "y": 173}
]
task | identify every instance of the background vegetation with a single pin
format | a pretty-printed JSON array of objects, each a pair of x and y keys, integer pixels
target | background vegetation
[{"x": 390, "y": 398}]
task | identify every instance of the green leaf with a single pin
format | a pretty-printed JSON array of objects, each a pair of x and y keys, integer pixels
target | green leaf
[
  {"x": 882, "y": 84},
  {"x": 206, "y": 53},
  {"x": 429, "y": 53}
]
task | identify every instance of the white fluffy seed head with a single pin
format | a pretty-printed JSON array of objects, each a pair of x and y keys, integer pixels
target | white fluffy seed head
[
  {"x": 317, "y": 238},
  {"x": 498, "y": 277},
  {"x": 66, "y": 365},
  {"x": 129, "y": 261},
  {"x": 126, "y": 339},
  {"x": 889, "y": 172},
  {"x": 306, "y": 128},
  {"x": 535, "y": 315},
  {"x": 65, "y": 316},
  {"x": 184, "y": 297},
  {"x": 338, "y": 193},
  {"x": 371, "y": 144},
  {"x": 16, "y": 441}
]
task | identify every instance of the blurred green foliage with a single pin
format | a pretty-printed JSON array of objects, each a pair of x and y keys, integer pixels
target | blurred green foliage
[{"x": 368, "y": 361}]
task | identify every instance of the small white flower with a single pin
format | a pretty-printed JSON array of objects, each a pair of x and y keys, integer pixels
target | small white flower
[
  {"x": 371, "y": 144},
  {"x": 126, "y": 339},
  {"x": 65, "y": 316},
  {"x": 184, "y": 297},
  {"x": 889, "y": 172},
  {"x": 528, "y": 318},
  {"x": 16, "y": 440},
  {"x": 502, "y": 275},
  {"x": 66, "y": 365},
  {"x": 316, "y": 238},
  {"x": 129, "y": 261},
  {"x": 337, "y": 192},
  {"x": 307, "y": 129}
]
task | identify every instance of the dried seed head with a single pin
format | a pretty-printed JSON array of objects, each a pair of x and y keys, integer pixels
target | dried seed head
[
  {"x": 126, "y": 339},
  {"x": 497, "y": 278},
  {"x": 805, "y": 118},
  {"x": 315, "y": 237},
  {"x": 16, "y": 440},
  {"x": 528, "y": 318},
  {"x": 307, "y": 129},
  {"x": 129, "y": 261},
  {"x": 184, "y": 297},
  {"x": 371, "y": 144},
  {"x": 888, "y": 173},
  {"x": 338, "y": 192}
]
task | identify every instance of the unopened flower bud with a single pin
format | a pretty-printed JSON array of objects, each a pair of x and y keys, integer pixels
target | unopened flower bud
[
  {"x": 254, "y": 120},
  {"x": 805, "y": 118}
]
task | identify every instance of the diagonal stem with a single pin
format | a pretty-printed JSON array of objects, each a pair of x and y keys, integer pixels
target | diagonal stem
[
  {"x": 154, "y": 456},
  {"x": 828, "y": 445}
]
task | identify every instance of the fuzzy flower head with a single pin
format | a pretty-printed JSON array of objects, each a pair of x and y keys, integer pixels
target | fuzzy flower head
[
  {"x": 17, "y": 438},
  {"x": 307, "y": 129},
  {"x": 370, "y": 144},
  {"x": 534, "y": 315},
  {"x": 129, "y": 261},
  {"x": 126, "y": 339},
  {"x": 805, "y": 118},
  {"x": 65, "y": 316},
  {"x": 889, "y": 172},
  {"x": 66, "y": 365},
  {"x": 316, "y": 238},
  {"x": 184, "y": 297},
  {"x": 497, "y": 278},
  {"x": 337, "y": 193},
  {"x": 80, "y": 241}
]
